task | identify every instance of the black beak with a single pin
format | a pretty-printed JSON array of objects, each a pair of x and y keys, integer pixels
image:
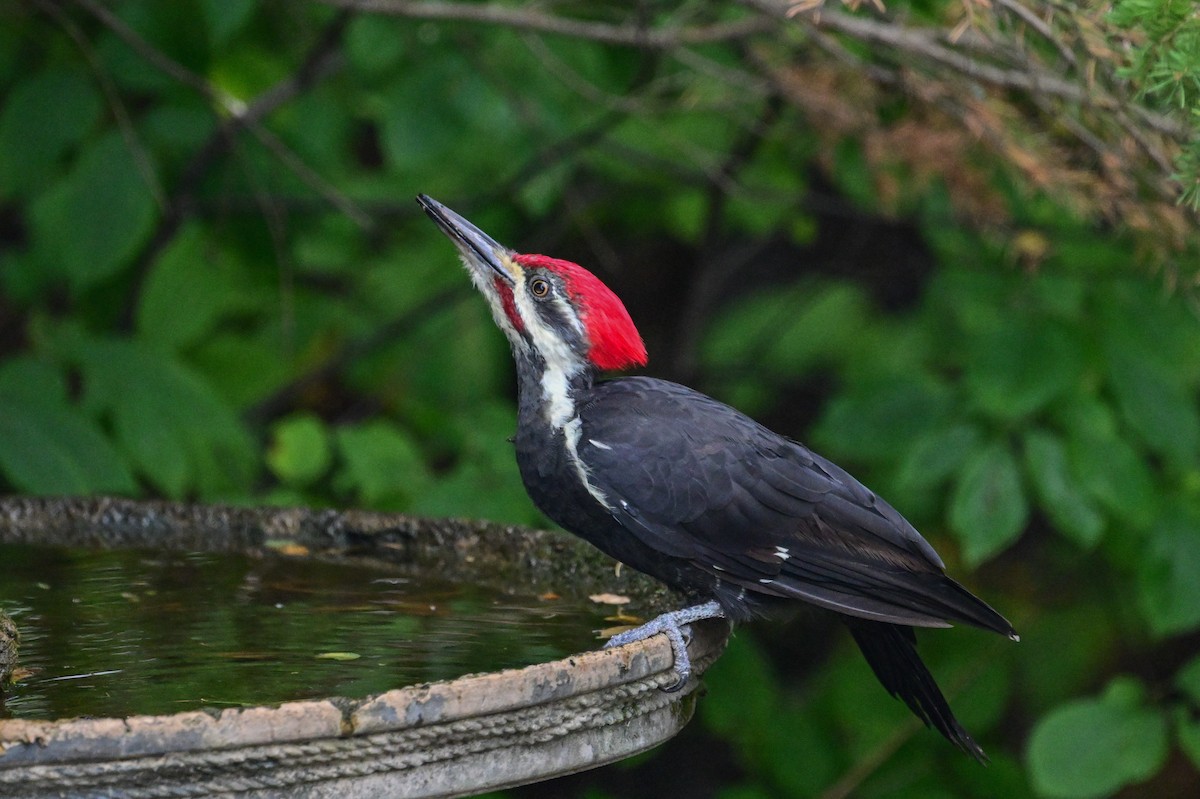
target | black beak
[{"x": 477, "y": 246}]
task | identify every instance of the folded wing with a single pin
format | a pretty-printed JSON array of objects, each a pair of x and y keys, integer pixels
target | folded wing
[{"x": 696, "y": 479}]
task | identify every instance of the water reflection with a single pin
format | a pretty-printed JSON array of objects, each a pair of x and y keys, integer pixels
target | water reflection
[{"x": 113, "y": 633}]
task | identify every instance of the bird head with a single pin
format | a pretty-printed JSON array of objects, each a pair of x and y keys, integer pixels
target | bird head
[{"x": 551, "y": 310}]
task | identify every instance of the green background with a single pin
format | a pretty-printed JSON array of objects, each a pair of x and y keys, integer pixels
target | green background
[{"x": 215, "y": 286}]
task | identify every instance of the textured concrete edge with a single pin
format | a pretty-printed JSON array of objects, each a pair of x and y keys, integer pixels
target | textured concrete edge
[
  {"x": 371, "y": 767},
  {"x": 474, "y": 733},
  {"x": 519, "y": 744},
  {"x": 29, "y": 742}
]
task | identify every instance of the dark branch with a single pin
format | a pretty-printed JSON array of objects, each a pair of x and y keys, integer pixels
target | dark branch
[
  {"x": 527, "y": 19},
  {"x": 320, "y": 61}
]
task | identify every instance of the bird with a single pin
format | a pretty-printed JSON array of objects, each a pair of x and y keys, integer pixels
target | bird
[{"x": 740, "y": 520}]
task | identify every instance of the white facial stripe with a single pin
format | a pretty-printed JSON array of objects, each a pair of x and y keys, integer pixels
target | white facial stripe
[
  {"x": 483, "y": 279},
  {"x": 562, "y": 364}
]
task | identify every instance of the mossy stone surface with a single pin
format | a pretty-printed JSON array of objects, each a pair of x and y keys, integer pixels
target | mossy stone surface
[{"x": 10, "y": 642}]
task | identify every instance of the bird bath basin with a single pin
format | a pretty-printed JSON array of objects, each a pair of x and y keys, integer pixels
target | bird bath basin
[{"x": 178, "y": 650}]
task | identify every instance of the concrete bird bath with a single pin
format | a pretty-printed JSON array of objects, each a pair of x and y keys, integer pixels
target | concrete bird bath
[{"x": 457, "y": 735}]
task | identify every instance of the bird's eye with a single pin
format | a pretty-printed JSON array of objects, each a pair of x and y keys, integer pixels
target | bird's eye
[{"x": 539, "y": 287}]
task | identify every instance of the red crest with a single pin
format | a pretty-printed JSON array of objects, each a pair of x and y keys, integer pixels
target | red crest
[{"x": 615, "y": 341}]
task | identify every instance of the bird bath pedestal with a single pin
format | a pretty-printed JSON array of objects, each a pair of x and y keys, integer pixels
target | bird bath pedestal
[{"x": 453, "y": 737}]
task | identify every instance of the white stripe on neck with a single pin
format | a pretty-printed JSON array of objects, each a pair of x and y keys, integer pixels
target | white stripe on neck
[{"x": 561, "y": 365}]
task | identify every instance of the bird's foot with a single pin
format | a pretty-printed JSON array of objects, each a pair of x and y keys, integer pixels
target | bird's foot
[{"x": 675, "y": 626}]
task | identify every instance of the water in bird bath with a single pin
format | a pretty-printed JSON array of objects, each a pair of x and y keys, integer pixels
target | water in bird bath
[{"x": 121, "y": 632}]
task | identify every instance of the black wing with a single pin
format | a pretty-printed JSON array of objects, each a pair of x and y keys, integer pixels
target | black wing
[{"x": 696, "y": 479}]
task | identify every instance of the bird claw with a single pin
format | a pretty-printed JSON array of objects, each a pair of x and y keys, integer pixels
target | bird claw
[{"x": 676, "y": 626}]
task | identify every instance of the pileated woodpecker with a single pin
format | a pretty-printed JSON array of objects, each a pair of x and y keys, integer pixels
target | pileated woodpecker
[{"x": 690, "y": 491}]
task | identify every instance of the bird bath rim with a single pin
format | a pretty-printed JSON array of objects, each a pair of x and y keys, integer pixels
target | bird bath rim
[{"x": 477, "y": 732}]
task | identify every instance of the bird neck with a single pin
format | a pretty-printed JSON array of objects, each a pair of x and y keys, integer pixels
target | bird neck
[{"x": 546, "y": 392}]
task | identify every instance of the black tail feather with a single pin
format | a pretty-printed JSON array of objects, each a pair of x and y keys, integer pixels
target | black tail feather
[{"x": 891, "y": 650}]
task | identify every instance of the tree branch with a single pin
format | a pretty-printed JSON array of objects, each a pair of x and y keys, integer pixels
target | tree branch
[
  {"x": 238, "y": 111},
  {"x": 284, "y": 398},
  {"x": 318, "y": 63},
  {"x": 141, "y": 158},
  {"x": 664, "y": 38},
  {"x": 931, "y": 46}
]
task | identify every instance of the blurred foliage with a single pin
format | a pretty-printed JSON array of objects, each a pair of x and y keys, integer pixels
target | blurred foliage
[
  {"x": 1165, "y": 65},
  {"x": 968, "y": 283}
]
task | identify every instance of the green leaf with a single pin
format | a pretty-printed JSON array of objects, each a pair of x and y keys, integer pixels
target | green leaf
[
  {"x": 410, "y": 140},
  {"x": 92, "y": 222},
  {"x": 1137, "y": 317},
  {"x": 853, "y": 174},
  {"x": 1160, "y": 410},
  {"x": 968, "y": 300},
  {"x": 1107, "y": 466},
  {"x": 32, "y": 380},
  {"x": 226, "y": 17},
  {"x": 175, "y": 429},
  {"x": 176, "y": 29},
  {"x": 879, "y": 420},
  {"x": 1188, "y": 679},
  {"x": 1072, "y": 511},
  {"x": 382, "y": 466},
  {"x": 455, "y": 358},
  {"x": 1169, "y": 578},
  {"x": 484, "y": 482},
  {"x": 683, "y": 214},
  {"x": 333, "y": 244},
  {"x": 1094, "y": 643},
  {"x": 48, "y": 446},
  {"x": 195, "y": 284},
  {"x": 300, "y": 451},
  {"x": 542, "y": 194},
  {"x": 745, "y": 695},
  {"x": 988, "y": 508},
  {"x": 935, "y": 456},
  {"x": 43, "y": 117},
  {"x": 243, "y": 369},
  {"x": 1022, "y": 366},
  {"x": 1093, "y": 747},
  {"x": 374, "y": 44},
  {"x": 251, "y": 68},
  {"x": 51, "y": 450},
  {"x": 179, "y": 130},
  {"x": 750, "y": 710},
  {"x": 478, "y": 490},
  {"x": 1187, "y": 730},
  {"x": 786, "y": 331},
  {"x": 186, "y": 292}
]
